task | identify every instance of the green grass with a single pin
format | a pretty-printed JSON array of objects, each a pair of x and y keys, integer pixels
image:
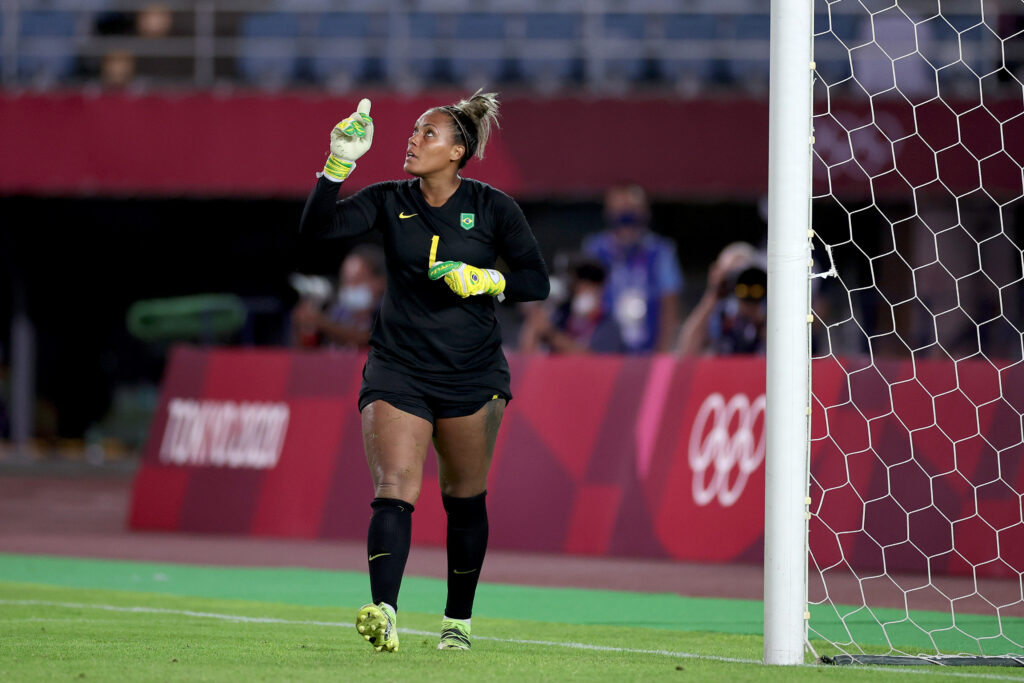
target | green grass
[
  {"x": 149, "y": 622},
  {"x": 54, "y": 642},
  {"x": 917, "y": 631}
]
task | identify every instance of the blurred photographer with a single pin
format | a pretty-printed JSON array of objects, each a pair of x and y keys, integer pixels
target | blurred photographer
[
  {"x": 644, "y": 281},
  {"x": 730, "y": 318},
  {"x": 347, "y": 321},
  {"x": 580, "y": 324}
]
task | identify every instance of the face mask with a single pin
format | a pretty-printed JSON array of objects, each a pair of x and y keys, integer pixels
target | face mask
[
  {"x": 627, "y": 219},
  {"x": 356, "y": 298},
  {"x": 584, "y": 304}
]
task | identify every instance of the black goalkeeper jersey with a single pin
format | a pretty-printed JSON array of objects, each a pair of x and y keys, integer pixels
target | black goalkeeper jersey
[{"x": 423, "y": 325}]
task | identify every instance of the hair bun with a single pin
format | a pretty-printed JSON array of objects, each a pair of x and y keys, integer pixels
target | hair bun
[{"x": 482, "y": 110}]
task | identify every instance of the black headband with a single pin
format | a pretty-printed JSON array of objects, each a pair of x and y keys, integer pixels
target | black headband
[{"x": 470, "y": 141}]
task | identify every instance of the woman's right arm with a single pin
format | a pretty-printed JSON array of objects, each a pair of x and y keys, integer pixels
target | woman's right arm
[{"x": 325, "y": 216}]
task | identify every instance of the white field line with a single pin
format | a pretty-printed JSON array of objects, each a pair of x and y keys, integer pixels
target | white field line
[{"x": 926, "y": 671}]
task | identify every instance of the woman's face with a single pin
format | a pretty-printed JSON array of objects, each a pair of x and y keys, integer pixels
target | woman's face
[{"x": 432, "y": 147}]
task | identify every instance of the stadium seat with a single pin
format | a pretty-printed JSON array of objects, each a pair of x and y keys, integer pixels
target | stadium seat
[
  {"x": 46, "y": 46},
  {"x": 844, "y": 26},
  {"x": 980, "y": 49},
  {"x": 620, "y": 25},
  {"x": 268, "y": 51},
  {"x": 943, "y": 47},
  {"x": 552, "y": 26},
  {"x": 419, "y": 60},
  {"x": 752, "y": 33},
  {"x": 963, "y": 22},
  {"x": 753, "y": 27},
  {"x": 831, "y": 58},
  {"x": 681, "y": 29},
  {"x": 885, "y": 37},
  {"x": 834, "y": 32},
  {"x": 480, "y": 57},
  {"x": 342, "y": 52},
  {"x": 691, "y": 27},
  {"x": 550, "y": 53},
  {"x": 623, "y": 42}
]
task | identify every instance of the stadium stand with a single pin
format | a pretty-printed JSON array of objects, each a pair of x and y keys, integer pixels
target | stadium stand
[{"x": 688, "y": 46}]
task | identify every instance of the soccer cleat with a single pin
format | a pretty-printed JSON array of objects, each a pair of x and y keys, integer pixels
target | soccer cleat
[
  {"x": 454, "y": 635},
  {"x": 378, "y": 625}
]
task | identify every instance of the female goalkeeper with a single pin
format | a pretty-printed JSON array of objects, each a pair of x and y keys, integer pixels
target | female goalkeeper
[{"x": 435, "y": 368}]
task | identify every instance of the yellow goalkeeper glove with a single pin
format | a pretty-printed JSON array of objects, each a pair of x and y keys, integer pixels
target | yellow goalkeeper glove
[
  {"x": 466, "y": 280},
  {"x": 350, "y": 139}
]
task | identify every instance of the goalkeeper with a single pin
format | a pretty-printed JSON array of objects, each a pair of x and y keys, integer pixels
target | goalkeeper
[{"x": 435, "y": 370}]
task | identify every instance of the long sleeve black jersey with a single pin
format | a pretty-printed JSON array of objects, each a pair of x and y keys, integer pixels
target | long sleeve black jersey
[{"x": 423, "y": 324}]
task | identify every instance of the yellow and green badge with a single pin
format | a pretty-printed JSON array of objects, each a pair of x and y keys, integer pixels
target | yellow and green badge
[{"x": 467, "y": 220}]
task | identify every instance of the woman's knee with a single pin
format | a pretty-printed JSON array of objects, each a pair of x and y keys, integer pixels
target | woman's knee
[
  {"x": 407, "y": 490},
  {"x": 463, "y": 485},
  {"x": 397, "y": 477},
  {"x": 463, "y": 490}
]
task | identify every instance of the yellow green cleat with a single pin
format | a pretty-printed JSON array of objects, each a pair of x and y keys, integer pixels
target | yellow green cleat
[
  {"x": 454, "y": 635},
  {"x": 378, "y": 625}
]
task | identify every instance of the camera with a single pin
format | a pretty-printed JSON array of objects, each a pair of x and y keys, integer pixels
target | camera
[{"x": 749, "y": 284}]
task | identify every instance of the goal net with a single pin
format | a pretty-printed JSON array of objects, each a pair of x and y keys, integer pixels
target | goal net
[{"x": 916, "y": 534}]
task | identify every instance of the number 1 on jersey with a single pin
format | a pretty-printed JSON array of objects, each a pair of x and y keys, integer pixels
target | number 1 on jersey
[{"x": 436, "y": 270}]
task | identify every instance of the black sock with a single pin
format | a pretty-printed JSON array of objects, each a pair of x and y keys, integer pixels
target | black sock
[
  {"x": 387, "y": 545},
  {"x": 467, "y": 545}
]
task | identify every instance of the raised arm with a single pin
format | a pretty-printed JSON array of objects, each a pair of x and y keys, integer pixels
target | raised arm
[{"x": 323, "y": 215}]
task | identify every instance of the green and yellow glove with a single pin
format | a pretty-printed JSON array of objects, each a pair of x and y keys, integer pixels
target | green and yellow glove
[
  {"x": 466, "y": 280},
  {"x": 350, "y": 139}
]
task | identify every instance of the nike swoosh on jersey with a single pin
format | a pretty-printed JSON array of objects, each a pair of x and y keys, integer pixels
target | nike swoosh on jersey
[
  {"x": 374, "y": 557},
  {"x": 403, "y": 214},
  {"x": 468, "y": 571}
]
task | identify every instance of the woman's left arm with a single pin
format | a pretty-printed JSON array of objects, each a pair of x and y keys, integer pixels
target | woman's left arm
[{"x": 527, "y": 279}]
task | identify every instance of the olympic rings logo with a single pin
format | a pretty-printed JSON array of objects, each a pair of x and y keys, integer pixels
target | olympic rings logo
[{"x": 728, "y": 444}]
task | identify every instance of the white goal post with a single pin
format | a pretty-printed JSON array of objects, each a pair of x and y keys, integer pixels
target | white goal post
[
  {"x": 894, "y": 503},
  {"x": 787, "y": 391}
]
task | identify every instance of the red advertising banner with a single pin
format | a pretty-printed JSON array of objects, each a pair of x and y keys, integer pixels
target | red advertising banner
[
  {"x": 555, "y": 147},
  {"x": 629, "y": 456},
  {"x": 202, "y": 140}
]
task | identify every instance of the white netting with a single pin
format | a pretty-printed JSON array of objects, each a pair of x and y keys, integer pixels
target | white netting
[{"x": 917, "y": 448}]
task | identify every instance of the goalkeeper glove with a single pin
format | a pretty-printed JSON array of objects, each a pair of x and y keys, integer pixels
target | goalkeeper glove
[
  {"x": 466, "y": 280},
  {"x": 350, "y": 139}
]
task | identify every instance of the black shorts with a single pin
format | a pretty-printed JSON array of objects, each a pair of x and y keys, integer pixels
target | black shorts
[{"x": 454, "y": 394}]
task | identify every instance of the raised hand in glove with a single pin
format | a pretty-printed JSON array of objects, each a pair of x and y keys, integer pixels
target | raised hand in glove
[
  {"x": 350, "y": 139},
  {"x": 466, "y": 280}
]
